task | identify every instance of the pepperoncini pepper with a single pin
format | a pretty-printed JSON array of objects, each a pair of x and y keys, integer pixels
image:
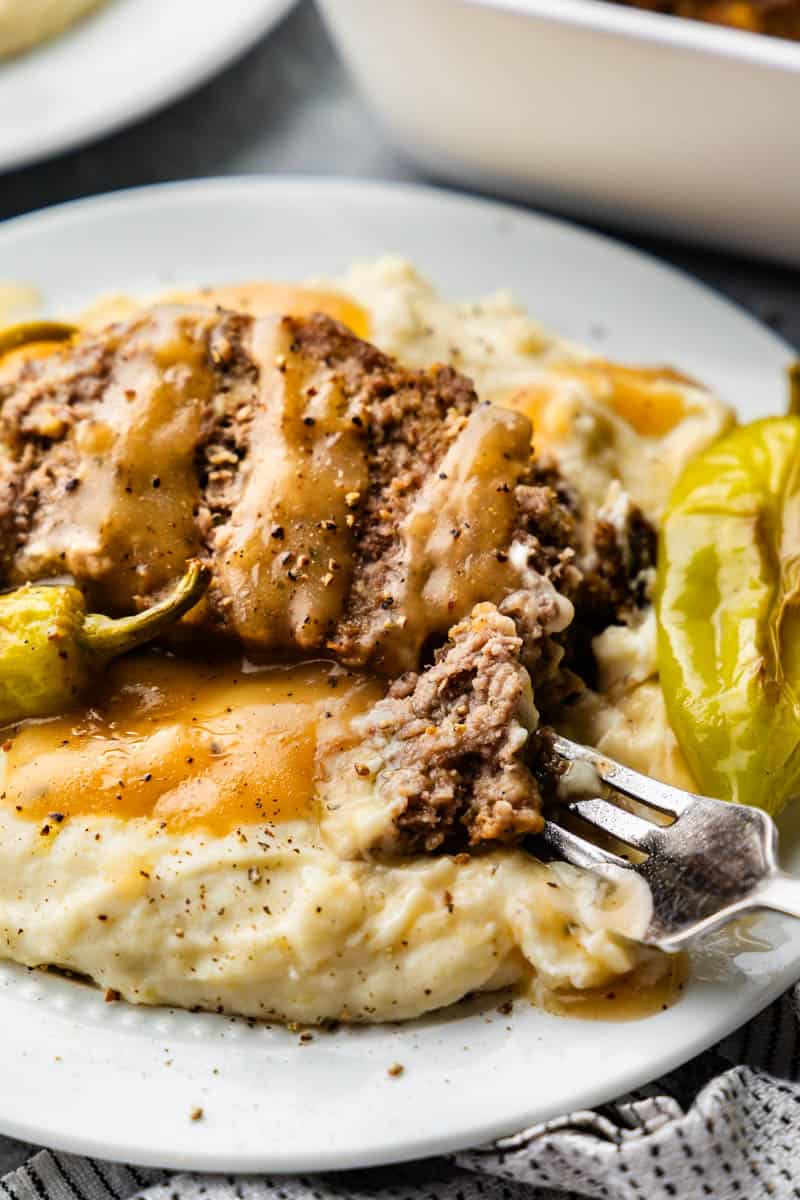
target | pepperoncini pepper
[
  {"x": 35, "y": 339},
  {"x": 50, "y": 647},
  {"x": 728, "y": 603},
  {"x": 30, "y": 332}
]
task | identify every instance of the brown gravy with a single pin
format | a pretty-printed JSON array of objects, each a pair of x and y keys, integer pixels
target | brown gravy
[
  {"x": 187, "y": 742},
  {"x": 654, "y": 985}
]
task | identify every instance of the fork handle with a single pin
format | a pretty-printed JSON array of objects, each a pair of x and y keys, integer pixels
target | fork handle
[{"x": 781, "y": 893}]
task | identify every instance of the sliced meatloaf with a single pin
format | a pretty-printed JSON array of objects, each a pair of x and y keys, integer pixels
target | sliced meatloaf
[{"x": 346, "y": 504}]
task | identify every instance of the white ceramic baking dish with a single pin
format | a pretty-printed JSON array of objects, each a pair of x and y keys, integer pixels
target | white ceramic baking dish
[{"x": 588, "y": 107}]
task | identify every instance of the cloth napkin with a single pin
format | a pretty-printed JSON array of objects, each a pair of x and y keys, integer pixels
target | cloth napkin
[{"x": 725, "y": 1126}]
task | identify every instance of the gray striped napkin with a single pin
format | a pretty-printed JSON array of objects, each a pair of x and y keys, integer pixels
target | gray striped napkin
[{"x": 725, "y": 1126}]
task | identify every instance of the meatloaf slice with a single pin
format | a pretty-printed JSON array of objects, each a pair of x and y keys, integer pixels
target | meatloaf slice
[
  {"x": 346, "y": 504},
  {"x": 452, "y": 747}
]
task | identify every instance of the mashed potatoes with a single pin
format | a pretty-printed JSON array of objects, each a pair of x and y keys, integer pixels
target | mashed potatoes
[
  {"x": 169, "y": 843},
  {"x": 272, "y": 904},
  {"x": 285, "y": 929},
  {"x": 26, "y": 23}
]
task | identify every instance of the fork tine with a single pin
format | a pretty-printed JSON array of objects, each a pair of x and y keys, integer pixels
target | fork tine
[
  {"x": 576, "y": 850},
  {"x": 624, "y": 826},
  {"x": 649, "y": 791}
]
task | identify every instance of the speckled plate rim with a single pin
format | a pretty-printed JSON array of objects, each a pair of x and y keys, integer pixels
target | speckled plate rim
[{"x": 120, "y": 1082}]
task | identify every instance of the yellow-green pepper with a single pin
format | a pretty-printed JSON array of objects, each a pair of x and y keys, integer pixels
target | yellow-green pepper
[
  {"x": 51, "y": 648},
  {"x": 30, "y": 332},
  {"x": 728, "y": 603}
]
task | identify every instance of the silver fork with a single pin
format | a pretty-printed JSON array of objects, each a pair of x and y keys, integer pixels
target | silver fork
[{"x": 714, "y": 861}]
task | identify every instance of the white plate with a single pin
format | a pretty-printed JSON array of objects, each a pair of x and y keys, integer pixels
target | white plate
[
  {"x": 118, "y": 1081},
  {"x": 121, "y": 63}
]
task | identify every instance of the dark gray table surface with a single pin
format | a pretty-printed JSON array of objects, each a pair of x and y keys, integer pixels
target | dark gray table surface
[{"x": 288, "y": 106}]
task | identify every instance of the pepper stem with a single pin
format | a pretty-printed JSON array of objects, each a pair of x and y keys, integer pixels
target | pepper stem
[
  {"x": 15, "y": 336},
  {"x": 794, "y": 390},
  {"x": 107, "y": 637}
]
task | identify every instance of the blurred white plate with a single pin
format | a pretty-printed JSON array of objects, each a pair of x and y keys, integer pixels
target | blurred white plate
[
  {"x": 118, "y": 1081},
  {"x": 592, "y": 108},
  {"x": 126, "y": 60}
]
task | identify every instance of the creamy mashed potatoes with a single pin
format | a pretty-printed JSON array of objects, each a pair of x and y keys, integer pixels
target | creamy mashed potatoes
[
  {"x": 285, "y": 929},
  {"x": 26, "y": 23},
  {"x": 168, "y": 842},
  {"x": 201, "y": 836}
]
